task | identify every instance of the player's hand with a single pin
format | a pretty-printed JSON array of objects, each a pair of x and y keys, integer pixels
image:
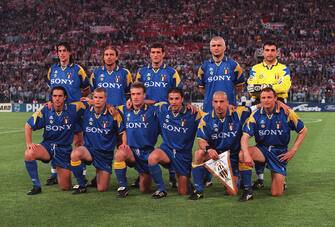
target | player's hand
[
  {"x": 191, "y": 107},
  {"x": 252, "y": 88},
  {"x": 213, "y": 154},
  {"x": 287, "y": 156},
  {"x": 129, "y": 104},
  {"x": 281, "y": 105},
  {"x": 49, "y": 105},
  {"x": 263, "y": 86},
  {"x": 111, "y": 110}
]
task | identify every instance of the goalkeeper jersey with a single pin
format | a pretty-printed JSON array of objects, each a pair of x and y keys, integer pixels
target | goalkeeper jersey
[{"x": 278, "y": 75}]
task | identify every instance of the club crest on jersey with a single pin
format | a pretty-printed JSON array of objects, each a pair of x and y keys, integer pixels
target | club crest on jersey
[
  {"x": 144, "y": 118},
  {"x": 102, "y": 77},
  {"x": 90, "y": 121},
  {"x": 163, "y": 77},
  {"x": 117, "y": 79},
  {"x": 225, "y": 71},
  {"x": 262, "y": 124},
  {"x": 148, "y": 76},
  {"x": 211, "y": 72},
  {"x": 231, "y": 126},
  {"x": 183, "y": 122},
  {"x": 105, "y": 123},
  {"x": 66, "y": 120},
  {"x": 278, "y": 123},
  {"x": 261, "y": 76},
  {"x": 69, "y": 75}
]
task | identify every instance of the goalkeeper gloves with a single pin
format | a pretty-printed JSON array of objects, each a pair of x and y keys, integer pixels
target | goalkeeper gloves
[{"x": 251, "y": 88}]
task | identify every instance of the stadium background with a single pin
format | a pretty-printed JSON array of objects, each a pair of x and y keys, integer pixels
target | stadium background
[{"x": 305, "y": 31}]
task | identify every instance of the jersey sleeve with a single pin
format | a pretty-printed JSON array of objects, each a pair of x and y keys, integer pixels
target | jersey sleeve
[
  {"x": 120, "y": 123},
  {"x": 239, "y": 74},
  {"x": 83, "y": 78},
  {"x": 252, "y": 76},
  {"x": 284, "y": 82},
  {"x": 37, "y": 120},
  {"x": 129, "y": 81},
  {"x": 48, "y": 77},
  {"x": 201, "y": 76},
  {"x": 249, "y": 126},
  {"x": 203, "y": 130},
  {"x": 176, "y": 79},
  {"x": 295, "y": 122},
  {"x": 92, "y": 82},
  {"x": 138, "y": 77}
]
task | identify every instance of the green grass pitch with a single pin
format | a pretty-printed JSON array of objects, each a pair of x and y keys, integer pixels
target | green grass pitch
[{"x": 308, "y": 201}]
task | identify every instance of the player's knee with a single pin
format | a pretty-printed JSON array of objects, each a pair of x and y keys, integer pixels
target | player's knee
[
  {"x": 153, "y": 159},
  {"x": 75, "y": 155},
  {"x": 29, "y": 155},
  {"x": 119, "y": 156}
]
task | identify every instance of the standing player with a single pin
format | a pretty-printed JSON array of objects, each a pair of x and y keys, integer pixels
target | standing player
[
  {"x": 158, "y": 78},
  {"x": 271, "y": 127},
  {"x": 73, "y": 78},
  {"x": 219, "y": 131},
  {"x": 111, "y": 76},
  {"x": 269, "y": 73},
  {"x": 101, "y": 133},
  {"x": 178, "y": 127},
  {"x": 142, "y": 130},
  {"x": 58, "y": 124},
  {"x": 219, "y": 73}
]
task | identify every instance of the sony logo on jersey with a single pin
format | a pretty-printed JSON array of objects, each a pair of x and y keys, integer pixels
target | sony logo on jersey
[
  {"x": 216, "y": 78},
  {"x": 155, "y": 84},
  {"x": 172, "y": 128},
  {"x": 137, "y": 125},
  {"x": 110, "y": 85},
  {"x": 58, "y": 128},
  {"x": 223, "y": 135},
  {"x": 270, "y": 132},
  {"x": 61, "y": 81},
  {"x": 97, "y": 130}
]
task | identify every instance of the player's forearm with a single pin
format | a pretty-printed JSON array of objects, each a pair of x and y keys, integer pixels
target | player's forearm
[
  {"x": 28, "y": 133},
  {"x": 245, "y": 142},
  {"x": 203, "y": 144},
  {"x": 300, "y": 138}
]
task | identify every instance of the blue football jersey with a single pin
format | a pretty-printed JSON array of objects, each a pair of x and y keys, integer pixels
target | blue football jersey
[
  {"x": 177, "y": 129},
  {"x": 273, "y": 130},
  {"x": 73, "y": 78},
  {"x": 223, "y": 76},
  {"x": 141, "y": 127},
  {"x": 58, "y": 127},
  {"x": 224, "y": 134},
  {"x": 116, "y": 83},
  {"x": 158, "y": 82},
  {"x": 101, "y": 130}
]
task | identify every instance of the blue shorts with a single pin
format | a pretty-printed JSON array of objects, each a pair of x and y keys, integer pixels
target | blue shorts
[
  {"x": 141, "y": 159},
  {"x": 59, "y": 155},
  {"x": 271, "y": 158},
  {"x": 101, "y": 160},
  {"x": 181, "y": 162},
  {"x": 234, "y": 163}
]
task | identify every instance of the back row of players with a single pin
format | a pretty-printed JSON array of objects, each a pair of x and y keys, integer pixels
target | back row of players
[{"x": 137, "y": 123}]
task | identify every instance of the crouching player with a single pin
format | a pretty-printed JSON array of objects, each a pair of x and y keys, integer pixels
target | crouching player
[
  {"x": 218, "y": 131},
  {"x": 58, "y": 124},
  {"x": 142, "y": 130},
  {"x": 102, "y": 131},
  {"x": 178, "y": 127},
  {"x": 271, "y": 127}
]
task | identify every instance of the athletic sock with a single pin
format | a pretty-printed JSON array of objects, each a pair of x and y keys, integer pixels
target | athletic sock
[
  {"x": 198, "y": 177},
  {"x": 77, "y": 169},
  {"x": 31, "y": 167},
  {"x": 120, "y": 169},
  {"x": 156, "y": 174}
]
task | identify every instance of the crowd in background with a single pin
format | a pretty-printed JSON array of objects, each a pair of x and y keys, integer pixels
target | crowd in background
[{"x": 304, "y": 30}]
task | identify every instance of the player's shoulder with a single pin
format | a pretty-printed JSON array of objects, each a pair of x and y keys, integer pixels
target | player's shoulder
[
  {"x": 242, "y": 109},
  {"x": 76, "y": 106},
  {"x": 258, "y": 66}
]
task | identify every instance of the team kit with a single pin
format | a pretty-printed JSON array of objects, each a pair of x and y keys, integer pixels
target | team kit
[{"x": 112, "y": 122}]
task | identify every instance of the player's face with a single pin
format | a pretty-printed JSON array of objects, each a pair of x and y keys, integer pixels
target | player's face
[
  {"x": 217, "y": 48},
  {"x": 110, "y": 57},
  {"x": 137, "y": 96},
  {"x": 270, "y": 53},
  {"x": 220, "y": 103},
  {"x": 58, "y": 98},
  {"x": 156, "y": 55},
  {"x": 99, "y": 99},
  {"x": 176, "y": 101},
  {"x": 268, "y": 99},
  {"x": 63, "y": 54}
]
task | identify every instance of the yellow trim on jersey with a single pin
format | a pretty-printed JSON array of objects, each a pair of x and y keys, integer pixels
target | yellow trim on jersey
[
  {"x": 121, "y": 108},
  {"x": 79, "y": 105},
  {"x": 49, "y": 72},
  {"x": 82, "y": 72},
  {"x": 196, "y": 165},
  {"x": 177, "y": 78},
  {"x": 119, "y": 165},
  {"x": 118, "y": 119},
  {"x": 129, "y": 77},
  {"x": 238, "y": 69},
  {"x": 77, "y": 163},
  {"x": 240, "y": 109},
  {"x": 292, "y": 116},
  {"x": 200, "y": 73},
  {"x": 138, "y": 77},
  {"x": 37, "y": 114},
  {"x": 92, "y": 77}
]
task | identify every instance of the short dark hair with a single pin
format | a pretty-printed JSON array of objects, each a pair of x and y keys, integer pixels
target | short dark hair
[
  {"x": 269, "y": 89},
  {"x": 138, "y": 85},
  {"x": 157, "y": 45},
  {"x": 101, "y": 89},
  {"x": 59, "y": 88},
  {"x": 64, "y": 44},
  {"x": 270, "y": 43},
  {"x": 176, "y": 90}
]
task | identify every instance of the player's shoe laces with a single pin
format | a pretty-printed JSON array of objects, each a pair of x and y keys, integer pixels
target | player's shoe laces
[
  {"x": 136, "y": 183},
  {"x": 122, "y": 192},
  {"x": 77, "y": 189},
  {"x": 247, "y": 195},
  {"x": 195, "y": 195},
  {"x": 258, "y": 184},
  {"x": 51, "y": 180},
  {"x": 159, "y": 194},
  {"x": 93, "y": 183},
  {"x": 34, "y": 191}
]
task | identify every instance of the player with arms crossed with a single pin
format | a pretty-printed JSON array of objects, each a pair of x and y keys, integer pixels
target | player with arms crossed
[
  {"x": 102, "y": 131},
  {"x": 58, "y": 124},
  {"x": 178, "y": 126},
  {"x": 269, "y": 73},
  {"x": 219, "y": 131},
  {"x": 271, "y": 127},
  {"x": 73, "y": 78},
  {"x": 142, "y": 130}
]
